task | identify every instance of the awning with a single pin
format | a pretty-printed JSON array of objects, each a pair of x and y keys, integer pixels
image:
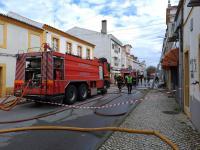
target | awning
[{"x": 170, "y": 59}]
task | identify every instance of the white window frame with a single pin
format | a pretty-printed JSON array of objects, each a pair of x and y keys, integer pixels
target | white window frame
[
  {"x": 79, "y": 51},
  {"x": 57, "y": 49},
  {"x": 68, "y": 47},
  {"x": 88, "y": 56}
]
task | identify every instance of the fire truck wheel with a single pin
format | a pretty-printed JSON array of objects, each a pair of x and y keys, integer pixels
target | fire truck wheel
[
  {"x": 70, "y": 95},
  {"x": 82, "y": 92}
]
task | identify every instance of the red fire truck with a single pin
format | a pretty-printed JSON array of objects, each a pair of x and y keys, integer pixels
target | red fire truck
[
  {"x": 53, "y": 75},
  {"x": 126, "y": 72},
  {"x": 132, "y": 72}
]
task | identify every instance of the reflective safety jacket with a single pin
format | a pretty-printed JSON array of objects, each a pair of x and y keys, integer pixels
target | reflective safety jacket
[{"x": 129, "y": 79}]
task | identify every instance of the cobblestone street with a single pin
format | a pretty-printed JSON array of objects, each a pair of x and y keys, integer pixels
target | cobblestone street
[{"x": 156, "y": 112}]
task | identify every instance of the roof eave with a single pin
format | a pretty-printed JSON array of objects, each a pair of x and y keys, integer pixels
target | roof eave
[{"x": 48, "y": 27}]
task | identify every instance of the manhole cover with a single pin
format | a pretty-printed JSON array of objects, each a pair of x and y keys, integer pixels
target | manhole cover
[{"x": 171, "y": 112}]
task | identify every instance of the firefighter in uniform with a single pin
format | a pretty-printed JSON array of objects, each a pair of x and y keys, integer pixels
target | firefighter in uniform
[
  {"x": 120, "y": 82},
  {"x": 129, "y": 82}
]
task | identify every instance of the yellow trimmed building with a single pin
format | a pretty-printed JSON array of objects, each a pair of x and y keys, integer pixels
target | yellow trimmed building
[
  {"x": 19, "y": 34},
  {"x": 16, "y": 36}
]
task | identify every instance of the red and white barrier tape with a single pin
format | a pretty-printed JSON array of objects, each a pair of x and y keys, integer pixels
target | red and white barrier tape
[{"x": 91, "y": 107}]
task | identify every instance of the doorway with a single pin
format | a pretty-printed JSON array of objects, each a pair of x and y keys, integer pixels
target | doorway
[
  {"x": 2, "y": 80},
  {"x": 186, "y": 84}
]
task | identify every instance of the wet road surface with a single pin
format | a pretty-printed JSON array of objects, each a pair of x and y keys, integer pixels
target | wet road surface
[{"x": 62, "y": 140}]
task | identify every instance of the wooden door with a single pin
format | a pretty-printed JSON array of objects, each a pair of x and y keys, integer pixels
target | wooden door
[{"x": 186, "y": 83}]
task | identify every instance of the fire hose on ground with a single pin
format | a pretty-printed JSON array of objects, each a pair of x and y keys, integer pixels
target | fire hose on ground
[
  {"x": 8, "y": 105},
  {"x": 78, "y": 129}
]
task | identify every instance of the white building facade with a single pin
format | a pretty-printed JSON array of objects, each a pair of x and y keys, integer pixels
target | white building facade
[
  {"x": 106, "y": 45},
  {"x": 191, "y": 62}
]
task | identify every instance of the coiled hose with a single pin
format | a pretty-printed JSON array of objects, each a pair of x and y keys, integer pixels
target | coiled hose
[{"x": 6, "y": 105}]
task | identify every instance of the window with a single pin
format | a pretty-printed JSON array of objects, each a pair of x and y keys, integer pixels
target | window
[
  {"x": 113, "y": 46},
  {"x": 116, "y": 61},
  {"x": 55, "y": 44},
  {"x": 119, "y": 50},
  {"x": 88, "y": 53},
  {"x": 69, "y": 48},
  {"x": 3, "y": 35},
  {"x": 116, "y": 50},
  {"x": 79, "y": 51},
  {"x": 34, "y": 41}
]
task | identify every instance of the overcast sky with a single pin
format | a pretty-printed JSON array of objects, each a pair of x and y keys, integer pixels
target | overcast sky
[{"x": 140, "y": 23}]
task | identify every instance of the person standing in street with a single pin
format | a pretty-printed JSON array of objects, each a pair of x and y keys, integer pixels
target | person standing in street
[
  {"x": 148, "y": 80},
  {"x": 115, "y": 78},
  {"x": 145, "y": 80},
  {"x": 156, "y": 80},
  {"x": 120, "y": 82},
  {"x": 141, "y": 78},
  {"x": 129, "y": 82}
]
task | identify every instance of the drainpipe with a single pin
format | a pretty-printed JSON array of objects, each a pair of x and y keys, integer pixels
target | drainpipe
[{"x": 181, "y": 75}]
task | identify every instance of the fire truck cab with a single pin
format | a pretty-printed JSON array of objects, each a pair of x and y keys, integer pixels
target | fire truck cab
[
  {"x": 132, "y": 72},
  {"x": 55, "y": 76}
]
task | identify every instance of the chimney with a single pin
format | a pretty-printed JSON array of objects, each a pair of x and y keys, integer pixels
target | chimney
[
  {"x": 104, "y": 27},
  {"x": 169, "y": 3}
]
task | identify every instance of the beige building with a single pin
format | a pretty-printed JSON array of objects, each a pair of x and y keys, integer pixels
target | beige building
[
  {"x": 65, "y": 43},
  {"x": 183, "y": 40},
  {"x": 126, "y": 60},
  {"x": 170, "y": 51},
  {"x": 129, "y": 61},
  {"x": 19, "y": 34},
  {"x": 191, "y": 62}
]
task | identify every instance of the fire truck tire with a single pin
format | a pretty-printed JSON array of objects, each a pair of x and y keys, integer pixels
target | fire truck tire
[
  {"x": 107, "y": 83},
  {"x": 70, "y": 94},
  {"x": 38, "y": 104},
  {"x": 82, "y": 92}
]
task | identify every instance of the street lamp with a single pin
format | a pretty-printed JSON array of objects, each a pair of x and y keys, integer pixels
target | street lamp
[{"x": 193, "y": 3}]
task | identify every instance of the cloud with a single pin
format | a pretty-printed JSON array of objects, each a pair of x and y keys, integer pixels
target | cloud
[
  {"x": 140, "y": 23},
  {"x": 2, "y": 5}
]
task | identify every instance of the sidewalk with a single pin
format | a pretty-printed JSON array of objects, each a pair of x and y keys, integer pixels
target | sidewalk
[{"x": 156, "y": 112}]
